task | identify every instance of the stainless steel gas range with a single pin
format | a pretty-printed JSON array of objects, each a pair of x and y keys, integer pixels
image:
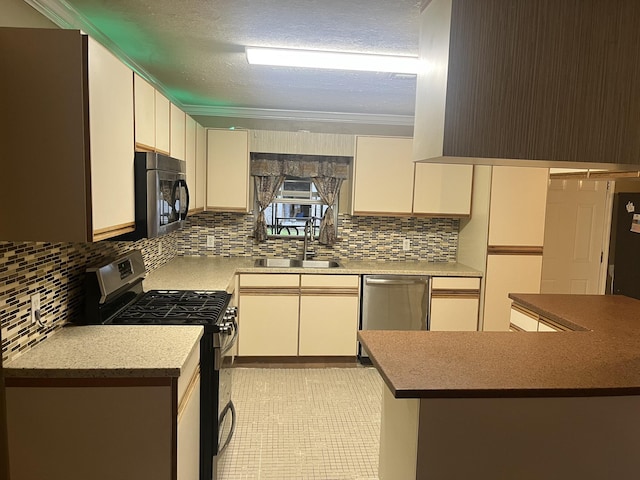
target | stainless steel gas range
[{"x": 114, "y": 296}]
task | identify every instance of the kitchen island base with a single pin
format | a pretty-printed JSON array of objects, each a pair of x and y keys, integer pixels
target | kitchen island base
[{"x": 523, "y": 438}]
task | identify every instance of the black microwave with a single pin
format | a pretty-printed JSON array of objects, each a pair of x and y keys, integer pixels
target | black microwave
[{"x": 161, "y": 195}]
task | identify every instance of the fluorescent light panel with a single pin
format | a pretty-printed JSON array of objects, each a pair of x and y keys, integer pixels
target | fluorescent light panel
[{"x": 284, "y": 57}]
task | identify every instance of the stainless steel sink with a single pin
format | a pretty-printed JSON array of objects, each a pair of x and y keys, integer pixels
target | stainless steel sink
[{"x": 293, "y": 263}]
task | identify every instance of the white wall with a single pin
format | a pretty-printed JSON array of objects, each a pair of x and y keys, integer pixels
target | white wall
[{"x": 16, "y": 13}]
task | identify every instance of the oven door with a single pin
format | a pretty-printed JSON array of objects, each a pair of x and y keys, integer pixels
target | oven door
[
  {"x": 167, "y": 201},
  {"x": 226, "y": 409}
]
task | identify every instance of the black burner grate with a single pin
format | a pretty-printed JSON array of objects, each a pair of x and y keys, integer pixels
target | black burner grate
[{"x": 175, "y": 307}]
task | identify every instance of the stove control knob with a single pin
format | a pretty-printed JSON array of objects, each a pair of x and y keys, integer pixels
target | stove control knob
[
  {"x": 232, "y": 311},
  {"x": 226, "y": 328}
]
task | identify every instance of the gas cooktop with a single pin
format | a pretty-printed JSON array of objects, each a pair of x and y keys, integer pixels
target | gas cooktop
[{"x": 175, "y": 307}]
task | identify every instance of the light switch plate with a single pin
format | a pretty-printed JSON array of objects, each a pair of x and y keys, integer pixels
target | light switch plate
[
  {"x": 211, "y": 241},
  {"x": 406, "y": 244},
  {"x": 35, "y": 307}
]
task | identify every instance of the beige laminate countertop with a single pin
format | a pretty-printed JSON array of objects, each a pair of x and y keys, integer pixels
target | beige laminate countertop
[
  {"x": 109, "y": 351},
  {"x": 603, "y": 359},
  {"x": 216, "y": 273}
]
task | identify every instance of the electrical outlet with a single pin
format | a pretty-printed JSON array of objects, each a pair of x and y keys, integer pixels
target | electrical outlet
[
  {"x": 211, "y": 241},
  {"x": 406, "y": 244},
  {"x": 35, "y": 307},
  {"x": 159, "y": 248}
]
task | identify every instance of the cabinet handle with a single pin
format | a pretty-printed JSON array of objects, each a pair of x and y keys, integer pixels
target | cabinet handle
[{"x": 385, "y": 281}]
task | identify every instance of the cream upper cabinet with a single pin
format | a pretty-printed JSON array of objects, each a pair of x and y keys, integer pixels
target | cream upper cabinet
[
  {"x": 144, "y": 95},
  {"x": 228, "y": 170},
  {"x": 442, "y": 189},
  {"x": 163, "y": 123},
  {"x": 112, "y": 141},
  {"x": 518, "y": 205},
  {"x": 383, "y": 176},
  {"x": 178, "y": 126},
  {"x": 80, "y": 177},
  {"x": 201, "y": 168},
  {"x": 190, "y": 158}
]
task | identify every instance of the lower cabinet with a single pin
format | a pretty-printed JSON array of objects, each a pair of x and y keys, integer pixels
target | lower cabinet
[
  {"x": 291, "y": 314},
  {"x": 524, "y": 320},
  {"x": 105, "y": 428},
  {"x": 455, "y": 303}
]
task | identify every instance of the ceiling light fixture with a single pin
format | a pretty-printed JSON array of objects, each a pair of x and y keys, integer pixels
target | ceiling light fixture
[{"x": 284, "y": 57}]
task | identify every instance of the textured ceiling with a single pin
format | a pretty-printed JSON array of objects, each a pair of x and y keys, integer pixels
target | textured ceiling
[{"x": 195, "y": 50}]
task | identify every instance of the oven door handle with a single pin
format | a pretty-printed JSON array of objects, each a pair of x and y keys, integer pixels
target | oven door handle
[
  {"x": 232, "y": 408},
  {"x": 231, "y": 342}
]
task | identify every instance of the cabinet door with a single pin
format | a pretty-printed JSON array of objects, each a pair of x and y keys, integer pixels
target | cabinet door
[
  {"x": 228, "y": 170},
  {"x": 329, "y": 307},
  {"x": 201, "y": 168},
  {"x": 454, "y": 304},
  {"x": 145, "y": 113},
  {"x": 518, "y": 205},
  {"x": 188, "y": 446},
  {"x": 268, "y": 325},
  {"x": 383, "y": 176},
  {"x": 177, "y": 133},
  {"x": 328, "y": 325},
  {"x": 508, "y": 274},
  {"x": 112, "y": 143},
  {"x": 190, "y": 158},
  {"x": 443, "y": 189},
  {"x": 163, "y": 123}
]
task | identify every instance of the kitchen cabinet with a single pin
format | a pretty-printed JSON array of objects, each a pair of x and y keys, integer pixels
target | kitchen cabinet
[
  {"x": 72, "y": 179},
  {"x": 144, "y": 95},
  {"x": 177, "y": 147},
  {"x": 515, "y": 239},
  {"x": 386, "y": 182},
  {"x": 268, "y": 315},
  {"x": 201, "y": 169},
  {"x": 163, "y": 123},
  {"x": 228, "y": 170},
  {"x": 524, "y": 84},
  {"x": 383, "y": 176},
  {"x": 328, "y": 315},
  {"x": 191, "y": 159},
  {"x": 298, "y": 315},
  {"x": 442, "y": 189},
  {"x": 455, "y": 303},
  {"x": 105, "y": 428},
  {"x": 524, "y": 320}
]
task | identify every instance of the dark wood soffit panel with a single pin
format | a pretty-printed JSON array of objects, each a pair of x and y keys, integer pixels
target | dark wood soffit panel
[{"x": 544, "y": 79}]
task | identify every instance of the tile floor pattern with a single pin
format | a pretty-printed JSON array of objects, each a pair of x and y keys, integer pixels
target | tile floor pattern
[{"x": 304, "y": 424}]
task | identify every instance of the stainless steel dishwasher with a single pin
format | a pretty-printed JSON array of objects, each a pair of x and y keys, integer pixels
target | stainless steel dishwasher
[{"x": 394, "y": 302}]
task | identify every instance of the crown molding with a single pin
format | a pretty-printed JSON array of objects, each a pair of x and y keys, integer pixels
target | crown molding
[
  {"x": 66, "y": 16},
  {"x": 300, "y": 115}
]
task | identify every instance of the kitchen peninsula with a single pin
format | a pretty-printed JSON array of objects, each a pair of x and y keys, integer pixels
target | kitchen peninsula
[{"x": 515, "y": 404}]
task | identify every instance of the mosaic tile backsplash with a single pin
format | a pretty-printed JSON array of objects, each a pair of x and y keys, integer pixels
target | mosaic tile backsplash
[
  {"x": 360, "y": 238},
  {"x": 56, "y": 270}
]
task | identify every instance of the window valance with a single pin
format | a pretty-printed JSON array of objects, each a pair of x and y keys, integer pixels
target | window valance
[{"x": 305, "y": 166}]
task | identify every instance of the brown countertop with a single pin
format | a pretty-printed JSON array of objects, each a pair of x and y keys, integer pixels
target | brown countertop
[{"x": 603, "y": 359}]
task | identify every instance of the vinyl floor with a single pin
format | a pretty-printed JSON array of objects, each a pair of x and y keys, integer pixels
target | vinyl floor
[{"x": 304, "y": 424}]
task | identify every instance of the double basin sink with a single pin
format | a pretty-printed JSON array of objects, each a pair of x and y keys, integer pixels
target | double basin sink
[{"x": 293, "y": 263}]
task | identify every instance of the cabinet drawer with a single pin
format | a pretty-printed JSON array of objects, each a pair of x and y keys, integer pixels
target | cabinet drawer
[
  {"x": 455, "y": 283},
  {"x": 188, "y": 371},
  {"x": 340, "y": 281},
  {"x": 523, "y": 321},
  {"x": 270, "y": 280}
]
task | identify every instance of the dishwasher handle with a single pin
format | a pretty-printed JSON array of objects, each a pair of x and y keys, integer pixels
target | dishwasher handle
[{"x": 396, "y": 281}]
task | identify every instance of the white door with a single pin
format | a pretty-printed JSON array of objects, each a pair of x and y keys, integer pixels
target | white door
[{"x": 574, "y": 236}]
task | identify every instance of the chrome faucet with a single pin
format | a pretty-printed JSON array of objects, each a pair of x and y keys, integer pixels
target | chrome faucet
[{"x": 308, "y": 239}]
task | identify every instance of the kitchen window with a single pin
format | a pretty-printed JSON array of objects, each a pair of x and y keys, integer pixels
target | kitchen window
[
  {"x": 296, "y": 201},
  {"x": 293, "y": 189}
]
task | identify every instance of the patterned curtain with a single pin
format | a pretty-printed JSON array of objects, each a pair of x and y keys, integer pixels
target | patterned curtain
[
  {"x": 266, "y": 189},
  {"x": 329, "y": 189},
  {"x": 327, "y": 173}
]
